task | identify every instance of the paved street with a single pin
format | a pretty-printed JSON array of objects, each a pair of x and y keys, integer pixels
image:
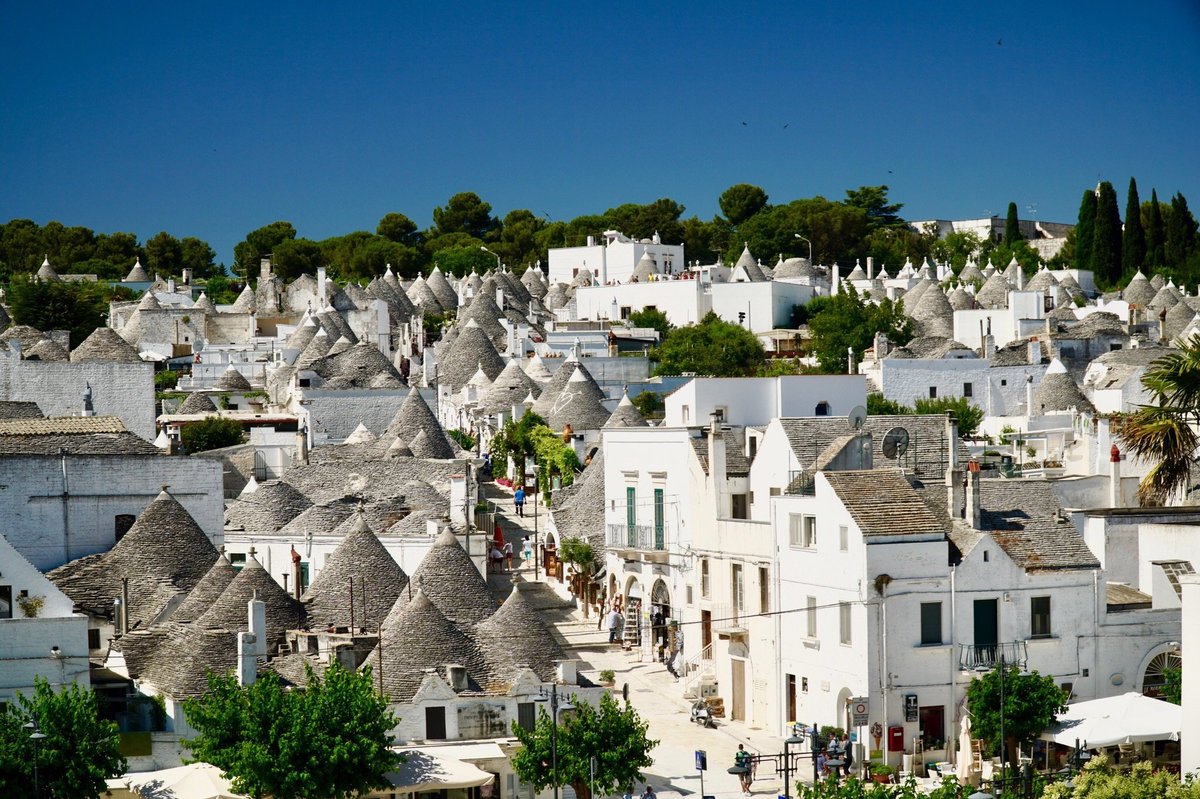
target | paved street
[{"x": 651, "y": 689}]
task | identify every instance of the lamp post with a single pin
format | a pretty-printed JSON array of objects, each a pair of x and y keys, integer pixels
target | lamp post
[
  {"x": 489, "y": 252},
  {"x": 35, "y": 736},
  {"x": 795, "y": 739},
  {"x": 802, "y": 238},
  {"x": 555, "y": 707},
  {"x": 537, "y": 491}
]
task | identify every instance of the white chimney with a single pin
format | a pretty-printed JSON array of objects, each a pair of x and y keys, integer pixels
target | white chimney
[
  {"x": 458, "y": 499},
  {"x": 716, "y": 467},
  {"x": 568, "y": 672},
  {"x": 187, "y": 277},
  {"x": 321, "y": 297},
  {"x": 870, "y": 267},
  {"x": 247, "y": 672},
  {"x": 170, "y": 285},
  {"x": 1114, "y": 458},
  {"x": 974, "y": 499},
  {"x": 456, "y": 675},
  {"x": 837, "y": 279},
  {"x": 1029, "y": 395}
]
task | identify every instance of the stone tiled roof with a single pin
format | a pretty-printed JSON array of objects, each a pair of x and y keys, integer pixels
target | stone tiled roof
[
  {"x": 534, "y": 283},
  {"x": 418, "y": 637},
  {"x": 736, "y": 462},
  {"x": 971, "y": 274},
  {"x": 994, "y": 292},
  {"x": 556, "y": 297},
  {"x": 1021, "y": 516},
  {"x": 232, "y": 380},
  {"x": 361, "y": 366},
  {"x": 245, "y": 300},
  {"x": 269, "y": 508},
  {"x": 204, "y": 304},
  {"x": 339, "y": 346},
  {"x": 1058, "y": 391},
  {"x": 514, "y": 637},
  {"x": 181, "y": 664},
  {"x": 47, "y": 350},
  {"x": 1178, "y": 318},
  {"x": 1166, "y": 298},
  {"x": 315, "y": 351},
  {"x": 578, "y": 404},
  {"x": 378, "y": 581},
  {"x": 5, "y": 319},
  {"x": 164, "y": 553},
  {"x": 927, "y": 347},
  {"x": 882, "y": 503},
  {"x": 328, "y": 481},
  {"x": 625, "y": 415},
  {"x": 450, "y": 580},
  {"x": 24, "y": 334},
  {"x": 75, "y": 435},
  {"x": 46, "y": 273},
  {"x": 197, "y": 402},
  {"x": 484, "y": 312},
  {"x": 1094, "y": 324},
  {"x": 228, "y": 612},
  {"x": 336, "y": 326},
  {"x": 535, "y": 367},
  {"x": 206, "y": 592},
  {"x": 960, "y": 299},
  {"x": 421, "y": 295},
  {"x": 412, "y": 418},
  {"x": 509, "y": 388},
  {"x": 934, "y": 314},
  {"x": 1138, "y": 290},
  {"x": 11, "y": 409},
  {"x": 1041, "y": 281},
  {"x": 558, "y": 382},
  {"x": 581, "y": 513},
  {"x": 912, "y": 297},
  {"x": 928, "y": 448},
  {"x": 442, "y": 289},
  {"x": 472, "y": 350},
  {"x": 104, "y": 345}
]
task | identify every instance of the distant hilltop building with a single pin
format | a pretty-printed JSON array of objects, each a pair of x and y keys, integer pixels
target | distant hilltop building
[
  {"x": 615, "y": 258},
  {"x": 1045, "y": 237}
]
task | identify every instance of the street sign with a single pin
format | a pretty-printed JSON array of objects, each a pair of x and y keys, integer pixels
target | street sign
[
  {"x": 701, "y": 760},
  {"x": 859, "y": 710}
]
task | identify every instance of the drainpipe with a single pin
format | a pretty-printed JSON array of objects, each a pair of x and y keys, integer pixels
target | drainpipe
[
  {"x": 953, "y": 669},
  {"x": 66, "y": 508}
]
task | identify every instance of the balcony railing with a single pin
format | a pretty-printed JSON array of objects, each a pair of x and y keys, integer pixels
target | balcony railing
[
  {"x": 639, "y": 536},
  {"x": 972, "y": 657},
  {"x": 801, "y": 483}
]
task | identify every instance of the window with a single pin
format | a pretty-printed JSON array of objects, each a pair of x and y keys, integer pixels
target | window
[
  {"x": 631, "y": 516},
  {"x": 238, "y": 560},
  {"x": 1004, "y": 382},
  {"x": 764, "y": 590},
  {"x": 625, "y": 311},
  {"x": 121, "y": 524},
  {"x": 526, "y": 719},
  {"x": 968, "y": 390},
  {"x": 803, "y": 685},
  {"x": 1068, "y": 689},
  {"x": 933, "y": 726},
  {"x": 933, "y": 392},
  {"x": 6, "y": 601},
  {"x": 659, "y": 542},
  {"x": 810, "y": 613},
  {"x": 822, "y": 409},
  {"x": 435, "y": 723},
  {"x": 843, "y": 538},
  {"x": 688, "y": 592},
  {"x": 985, "y": 556},
  {"x": 931, "y": 623},
  {"x": 737, "y": 588},
  {"x": 802, "y": 533},
  {"x": 704, "y": 587},
  {"x": 791, "y": 697},
  {"x": 303, "y": 576},
  {"x": 1039, "y": 617},
  {"x": 93, "y": 638},
  {"x": 844, "y": 618},
  {"x": 687, "y": 415},
  {"x": 739, "y": 507}
]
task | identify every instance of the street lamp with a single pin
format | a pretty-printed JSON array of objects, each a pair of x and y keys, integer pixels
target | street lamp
[
  {"x": 802, "y": 238},
  {"x": 555, "y": 708},
  {"x": 537, "y": 490},
  {"x": 489, "y": 252},
  {"x": 795, "y": 739},
  {"x": 35, "y": 736}
]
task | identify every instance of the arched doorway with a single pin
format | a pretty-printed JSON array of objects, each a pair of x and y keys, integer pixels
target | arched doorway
[
  {"x": 660, "y": 614},
  {"x": 1154, "y": 672}
]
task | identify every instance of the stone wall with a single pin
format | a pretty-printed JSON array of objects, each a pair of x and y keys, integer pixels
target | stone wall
[{"x": 124, "y": 390}]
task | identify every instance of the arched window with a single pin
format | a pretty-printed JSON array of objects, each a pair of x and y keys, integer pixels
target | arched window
[
  {"x": 122, "y": 523},
  {"x": 822, "y": 409}
]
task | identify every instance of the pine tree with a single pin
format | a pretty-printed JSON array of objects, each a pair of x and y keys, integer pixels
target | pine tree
[
  {"x": 1134, "y": 255},
  {"x": 1084, "y": 230},
  {"x": 1156, "y": 234},
  {"x": 1106, "y": 237},
  {"x": 1181, "y": 232},
  {"x": 1012, "y": 226}
]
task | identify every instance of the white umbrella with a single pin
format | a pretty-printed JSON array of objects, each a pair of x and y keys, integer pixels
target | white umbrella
[
  {"x": 193, "y": 781},
  {"x": 1115, "y": 720},
  {"x": 963, "y": 767}
]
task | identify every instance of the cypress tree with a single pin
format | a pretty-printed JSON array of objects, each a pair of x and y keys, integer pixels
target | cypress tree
[
  {"x": 1106, "y": 237},
  {"x": 1181, "y": 232},
  {"x": 1084, "y": 230},
  {"x": 1012, "y": 226},
  {"x": 1134, "y": 255},
  {"x": 1156, "y": 234}
]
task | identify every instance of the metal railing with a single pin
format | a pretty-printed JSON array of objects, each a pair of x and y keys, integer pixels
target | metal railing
[
  {"x": 696, "y": 667},
  {"x": 639, "y": 536},
  {"x": 972, "y": 657},
  {"x": 801, "y": 483}
]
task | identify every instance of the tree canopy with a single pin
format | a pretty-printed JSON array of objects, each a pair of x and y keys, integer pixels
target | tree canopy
[
  {"x": 873, "y": 201},
  {"x": 845, "y": 321},
  {"x": 712, "y": 347},
  {"x": 79, "y": 307},
  {"x": 1031, "y": 704},
  {"x": 328, "y": 741},
  {"x": 653, "y": 318},
  {"x": 741, "y": 202},
  {"x": 614, "y": 735},
  {"x": 211, "y": 433},
  {"x": 79, "y": 750}
]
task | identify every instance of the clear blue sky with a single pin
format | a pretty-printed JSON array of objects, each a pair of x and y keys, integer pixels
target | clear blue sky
[{"x": 215, "y": 119}]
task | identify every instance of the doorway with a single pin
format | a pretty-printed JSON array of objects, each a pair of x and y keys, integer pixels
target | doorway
[
  {"x": 737, "y": 710},
  {"x": 987, "y": 629},
  {"x": 706, "y": 628}
]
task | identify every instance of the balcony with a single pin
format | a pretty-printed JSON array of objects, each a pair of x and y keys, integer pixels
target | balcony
[
  {"x": 729, "y": 621},
  {"x": 639, "y": 538},
  {"x": 802, "y": 483},
  {"x": 982, "y": 658}
]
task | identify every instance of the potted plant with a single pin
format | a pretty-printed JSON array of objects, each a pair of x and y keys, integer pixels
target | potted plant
[
  {"x": 608, "y": 677},
  {"x": 881, "y": 772}
]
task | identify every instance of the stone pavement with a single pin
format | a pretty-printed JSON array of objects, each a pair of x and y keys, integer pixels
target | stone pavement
[{"x": 652, "y": 690}]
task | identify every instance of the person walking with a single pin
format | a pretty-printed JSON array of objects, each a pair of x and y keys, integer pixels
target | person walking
[
  {"x": 741, "y": 759},
  {"x": 508, "y": 555},
  {"x": 649, "y": 793},
  {"x": 613, "y": 624},
  {"x": 519, "y": 500},
  {"x": 847, "y": 754}
]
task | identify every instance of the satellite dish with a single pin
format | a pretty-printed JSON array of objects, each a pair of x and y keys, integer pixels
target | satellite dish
[
  {"x": 895, "y": 443},
  {"x": 857, "y": 417}
]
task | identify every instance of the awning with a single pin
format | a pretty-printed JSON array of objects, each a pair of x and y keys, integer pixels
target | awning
[
  {"x": 423, "y": 771},
  {"x": 1114, "y": 720}
]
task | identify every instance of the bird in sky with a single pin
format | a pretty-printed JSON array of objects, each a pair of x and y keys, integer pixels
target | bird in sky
[
  {"x": 744, "y": 124},
  {"x": 999, "y": 42}
]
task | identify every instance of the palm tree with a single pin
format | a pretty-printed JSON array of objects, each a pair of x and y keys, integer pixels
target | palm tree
[{"x": 1165, "y": 433}]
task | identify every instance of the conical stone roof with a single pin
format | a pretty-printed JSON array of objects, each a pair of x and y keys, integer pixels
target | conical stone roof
[
  {"x": 361, "y": 366},
  {"x": 206, "y": 592},
  {"x": 418, "y": 637},
  {"x": 442, "y": 289},
  {"x": 1157, "y": 281},
  {"x": 378, "y": 582},
  {"x": 509, "y": 389},
  {"x": 912, "y": 297},
  {"x": 336, "y": 326},
  {"x": 197, "y": 402},
  {"x": 1058, "y": 392},
  {"x": 245, "y": 300},
  {"x": 137, "y": 274},
  {"x": 472, "y": 350},
  {"x": 1041, "y": 281},
  {"x": 515, "y": 637},
  {"x": 317, "y": 349},
  {"x": 104, "y": 345},
  {"x": 339, "y": 346},
  {"x": 1178, "y": 318},
  {"x": 646, "y": 268},
  {"x": 448, "y": 577},
  {"x": 961, "y": 299},
  {"x": 268, "y": 509},
  {"x": 1166, "y": 298},
  {"x": 229, "y": 611},
  {"x": 303, "y": 335},
  {"x": 46, "y": 273},
  {"x": 934, "y": 314},
  {"x": 548, "y": 399},
  {"x": 25, "y": 335},
  {"x": 47, "y": 350},
  {"x": 533, "y": 282},
  {"x": 412, "y": 418},
  {"x": 579, "y": 404},
  {"x": 994, "y": 293},
  {"x": 970, "y": 274},
  {"x": 232, "y": 380},
  {"x": 422, "y": 296},
  {"x": 360, "y": 435},
  {"x": 625, "y": 415},
  {"x": 556, "y": 297},
  {"x": 203, "y": 303},
  {"x": 535, "y": 367},
  {"x": 1138, "y": 291}
]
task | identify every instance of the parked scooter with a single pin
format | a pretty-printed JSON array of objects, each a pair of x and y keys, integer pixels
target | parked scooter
[{"x": 702, "y": 715}]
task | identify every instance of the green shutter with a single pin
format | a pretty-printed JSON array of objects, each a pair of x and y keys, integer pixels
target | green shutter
[
  {"x": 631, "y": 515},
  {"x": 658, "y": 519}
]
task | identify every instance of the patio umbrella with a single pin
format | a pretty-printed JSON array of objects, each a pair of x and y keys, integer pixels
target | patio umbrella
[
  {"x": 963, "y": 767},
  {"x": 1115, "y": 720},
  {"x": 193, "y": 781}
]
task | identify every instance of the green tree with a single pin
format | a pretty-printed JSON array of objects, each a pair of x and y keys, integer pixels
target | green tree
[
  {"x": 615, "y": 736},
  {"x": 968, "y": 416},
  {"x": 1101, "y": 780},
  {"x": 555, "y": 457},
  {"x": 712, "y": 347},
  {"x": 465, "y": 213},
  {"x": 844, "y": 321},
  {"x": 513, "y": 444},
  {"x": 651, "y": 317},
  {"x": 79, "y": 750},
  {"x": 1181, "y": 233},
  {"x": 518, "y": 244},
  {"x": 1156, "y": 233},
  {"x": 77, "y": 307},
  {"x": 164, "y": 254},
  {"x": 1134, "y": 255},
  {"x": 957, "y": 247},
  {"x": 248, "y": 254},
  {"x": 1173, "y": 685},
  {"x": 212, "y": 433},
  {"x": 742, "y": 201},
  {"x": 1012, "y": 226},
  {"x": 1085, "y": 229},
  {"x": 220, "y": 291},
  {"x": 1030, "y": 705},
  {"x": 1163, "y": 432},
  {"x": 398, "y": 228},
  {"x": 464, "y": 260},
  {"x": 836, "y": 230},
  {"x": 582, "y": 556},
  {"x": 1106, "y": 238},
  {"x": 878, "y": 405},
  {"x": 329, "y": 741},
  {"x": 294, "y": 257},
  {"x": 873, "y": 201}
]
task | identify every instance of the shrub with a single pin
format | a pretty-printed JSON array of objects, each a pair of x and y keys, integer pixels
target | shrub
[{"x": 211, "y": 433}]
